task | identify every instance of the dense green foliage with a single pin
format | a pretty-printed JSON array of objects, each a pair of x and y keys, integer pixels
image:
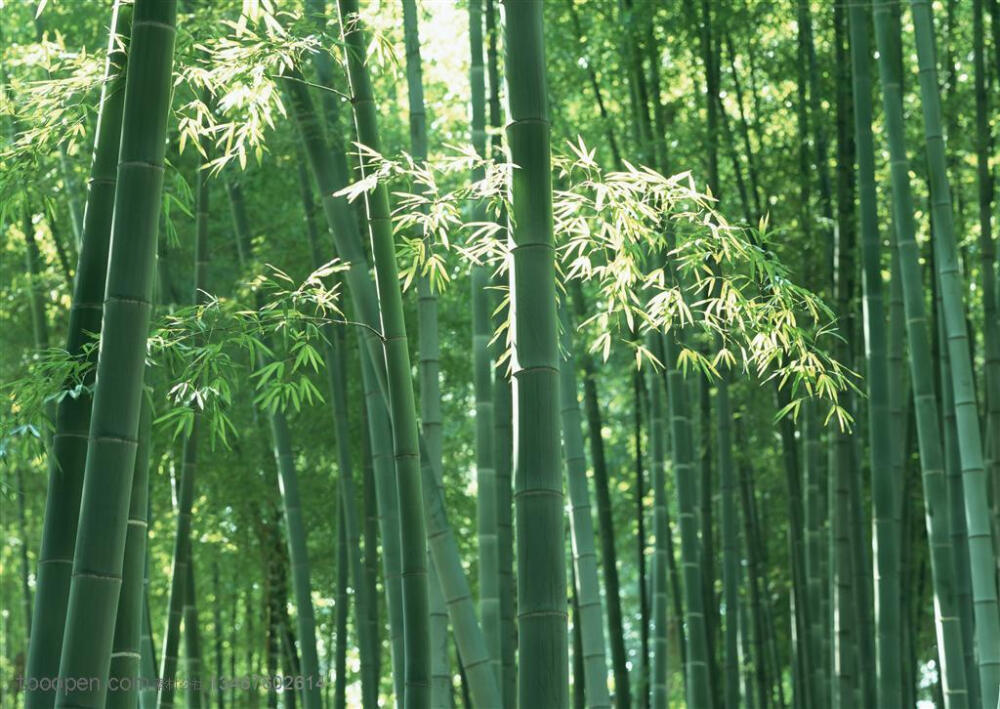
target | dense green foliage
[{"x": 511, "y": 353}]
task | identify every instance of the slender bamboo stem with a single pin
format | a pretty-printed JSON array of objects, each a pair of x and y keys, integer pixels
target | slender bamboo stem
[
  {"x": 130, "y": 620},
  {"x": 329, "y": 168},
  {"x": 185, "y": 499},
  {"x": 948, "y": 630},
  {"x": 699, "y": 692},
  {"x": 980, "y": 541},
  {"x": 885, "y": 487},
  {"x": 487, "y": 505},
  {"x": 192, "y": 638},
  {"x": 589, "y": 614},
  {"x": 400, "y": 387},
  {"x": 657, "y": 437},
  {"x": 503, "y": 444},
  {"x": 429, "y": 356},
  {"x": 605, "y": 523}
]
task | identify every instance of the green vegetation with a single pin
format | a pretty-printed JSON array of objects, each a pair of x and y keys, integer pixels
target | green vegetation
[{"x": 499, "y": 354}]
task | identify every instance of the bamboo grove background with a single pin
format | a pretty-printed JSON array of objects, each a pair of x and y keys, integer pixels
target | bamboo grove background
[{"x": 494, "y": 354}]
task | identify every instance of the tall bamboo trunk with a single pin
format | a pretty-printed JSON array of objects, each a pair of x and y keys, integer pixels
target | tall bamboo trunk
[
  {"x": 948, "y": 630},
  {"x": 482, "y": 373},
  {"x": 284, "y": 458},
  {"x": 219, "y": 691},
  {"x": 340, "y": 661},
  {"x": 538, "y": 496},
  {"x": 642, "y": 686},
  {"x": 334, "y": 355},
  {"x": 192, "y": 639},
  {"x": 380, "y": 442},
  {"x": 882, "y": 443},
  {"x": 329, "y": 168},
  {"x": 185, "y": 498},
  {"x": 429, "y": 350},
  {"x": 336, "y": 365},
  {"x": 130, "y": 619},
  {"x": 503, "y": 444},
  {"x": 980, "y": 541},
  {"x": 100, "y": 541},
  {"x": 987, "y": 252},
  {"x": 605, "y": 523},
  {"x": 657, "y": 436},
  {"x": 699, "y": 691},
  {"x": 589, "y": 614},
  {"x": 956, "y": 502},
  {"x": 730, "y": 545},
  {"x": 69, "y": 442},
  {"x": 400, "y": 386}
]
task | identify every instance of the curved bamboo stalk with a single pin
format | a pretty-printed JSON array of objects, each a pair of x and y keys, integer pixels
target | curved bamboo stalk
[
  {"x": 69, "y": 442},
  {"x": 329, "y": 168}
]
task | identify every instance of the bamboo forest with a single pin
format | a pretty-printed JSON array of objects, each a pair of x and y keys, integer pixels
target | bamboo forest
[{"x": 523, "y": 354}]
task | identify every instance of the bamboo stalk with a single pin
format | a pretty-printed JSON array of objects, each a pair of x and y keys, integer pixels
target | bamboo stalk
[
  {"x": 100, "y": 541},
  {"x": 980, "y": 541},
  {"x": 69, "y": 442},
  {"x": 885, "y": 487},
  {"x": 538, "y": 496},
  {"x": 947, "y": 627},
  {"x": 400, "y": 387},
  {"x": 590, "y": 611}
]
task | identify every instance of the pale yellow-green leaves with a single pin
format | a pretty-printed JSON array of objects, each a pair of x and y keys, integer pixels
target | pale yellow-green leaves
[{"x": 655, "y": 252}]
